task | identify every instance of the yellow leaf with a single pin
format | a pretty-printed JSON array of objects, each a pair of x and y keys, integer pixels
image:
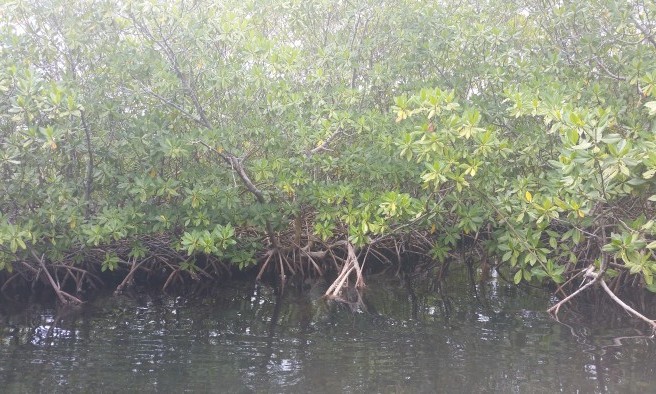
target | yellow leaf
[
  {"x": 581, "y": 214},
  {"x": 528, "y": 196}
]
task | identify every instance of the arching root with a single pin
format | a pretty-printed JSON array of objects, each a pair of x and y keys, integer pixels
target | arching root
[
  {"x": 63, "y": 296},
  {"x": 627, "y": 308},
  {"x": 351, "y": 265},
  {"x": 596, "y": 277}
]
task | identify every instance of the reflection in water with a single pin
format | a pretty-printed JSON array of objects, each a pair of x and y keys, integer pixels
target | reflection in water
[
  {"x": 48, "y": 333},
  {"x": 415, "y": 336}
]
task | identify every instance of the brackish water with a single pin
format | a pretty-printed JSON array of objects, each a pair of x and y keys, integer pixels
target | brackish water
[{"x": 413, "y": 337}]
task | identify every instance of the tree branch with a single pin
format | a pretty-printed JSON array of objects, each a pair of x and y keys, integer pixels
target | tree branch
[
  {"x": 325, "y": 144},
  {"x": 235, "y": 162},
  {"x": 173, "y": 105},
  {"x": 648, "y": 35},
  {"x": 89, "y": 178}
]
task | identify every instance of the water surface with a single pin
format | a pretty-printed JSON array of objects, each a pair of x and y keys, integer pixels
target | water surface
[{"x": 413, "y": 337}]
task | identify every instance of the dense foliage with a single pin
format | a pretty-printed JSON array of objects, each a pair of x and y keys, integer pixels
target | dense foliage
[{"x": 192, "y": 134}]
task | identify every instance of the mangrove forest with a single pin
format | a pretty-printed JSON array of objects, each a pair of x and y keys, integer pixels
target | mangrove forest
[{"x": 175, "y": 143}]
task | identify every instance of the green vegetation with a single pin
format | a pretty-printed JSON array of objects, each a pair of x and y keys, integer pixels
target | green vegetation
[{"x": 299, "y": 136}]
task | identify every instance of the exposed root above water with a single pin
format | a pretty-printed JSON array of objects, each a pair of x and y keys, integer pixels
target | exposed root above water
[
  {"x": 341, "y": 283},
  {"x": 63, "y": 296},
  {"x": 592, "y": 278},
  {"x": 627, "y": 308}
]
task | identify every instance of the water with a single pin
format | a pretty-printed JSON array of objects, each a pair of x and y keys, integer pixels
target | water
[{"x": 243, "y": 338}]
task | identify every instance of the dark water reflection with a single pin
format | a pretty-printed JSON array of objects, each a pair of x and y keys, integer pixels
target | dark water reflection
[{"x": 413, "y": 337}]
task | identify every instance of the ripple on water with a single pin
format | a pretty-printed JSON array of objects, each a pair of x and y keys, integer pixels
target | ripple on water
[{"x": 246, "y": 340}]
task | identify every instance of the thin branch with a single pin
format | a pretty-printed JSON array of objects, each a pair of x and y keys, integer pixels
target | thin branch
[
  {"x": 608, "y": 72},
  {"x": 173, "y": 105},
  {"x": 325, "y": 144},
  {"x": 88, "y": 187},
  {"x": 186, "y": 84}
]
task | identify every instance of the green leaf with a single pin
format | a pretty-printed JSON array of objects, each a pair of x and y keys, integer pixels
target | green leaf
[
  {"x": 553, "y": 242},
  {"x": 573, "y": 136},
  {"x": 647, "y": 274},
  {"x": 576, "y": 119},
  {"x": 518, "y": 277}
]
